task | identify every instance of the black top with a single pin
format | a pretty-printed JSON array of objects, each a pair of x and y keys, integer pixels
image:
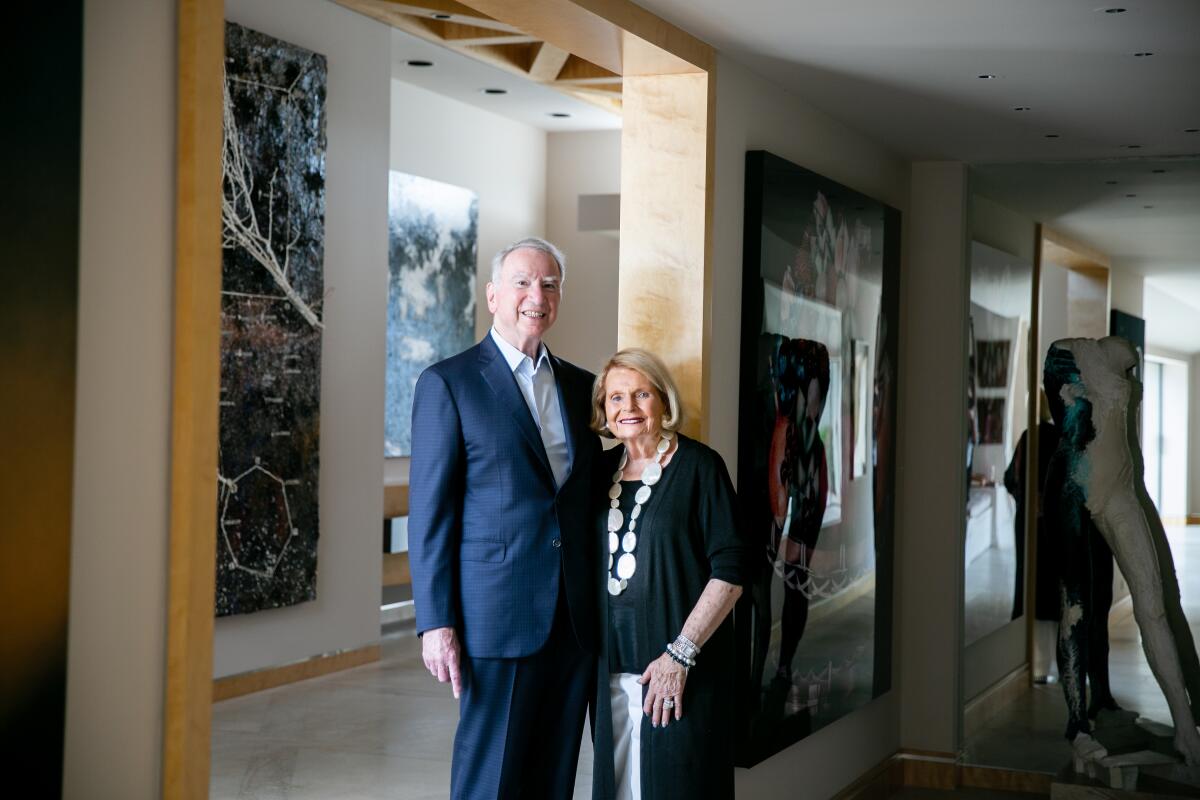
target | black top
[
  {"x": 687, "y": 535},
  {"x": 623, "y": 608}
]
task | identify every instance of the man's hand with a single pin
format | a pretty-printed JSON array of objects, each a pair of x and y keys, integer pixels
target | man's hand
[{"x": 441, "y": 652}]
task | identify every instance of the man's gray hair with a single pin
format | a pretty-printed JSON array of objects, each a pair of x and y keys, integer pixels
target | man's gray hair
[{"x": 530, "y": 243}]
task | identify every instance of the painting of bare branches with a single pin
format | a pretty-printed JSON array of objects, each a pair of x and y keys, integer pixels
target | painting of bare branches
[
  {"x": 273, "y": 249},
  {"x": 432, "y": 252}
]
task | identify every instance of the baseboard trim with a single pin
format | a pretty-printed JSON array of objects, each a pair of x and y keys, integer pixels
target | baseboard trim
[
  {"x": 924, "y": 769},
  {"x": 1006, "y": 780},
  {"x": 1193, "y": 519},
  {"x": 984, "y": 705},
  {"x": 877, "y": 783},
  {"x": 269, "y": 677}
]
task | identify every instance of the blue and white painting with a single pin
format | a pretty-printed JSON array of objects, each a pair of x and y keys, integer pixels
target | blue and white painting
[{"x": 432, "y": 255}]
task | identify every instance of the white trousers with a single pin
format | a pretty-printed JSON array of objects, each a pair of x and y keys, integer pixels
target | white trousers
[{"x": 625, "y": 694}]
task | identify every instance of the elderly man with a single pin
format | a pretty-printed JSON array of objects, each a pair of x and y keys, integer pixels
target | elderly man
[{"x": 499, "y": 538}]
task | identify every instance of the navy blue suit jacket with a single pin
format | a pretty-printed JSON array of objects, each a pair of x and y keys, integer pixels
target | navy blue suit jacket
[{"x": 489, "y": 535}]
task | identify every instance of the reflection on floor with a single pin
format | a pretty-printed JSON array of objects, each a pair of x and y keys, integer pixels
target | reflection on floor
[
  {"x": 383, "y": 730},
  {"x": 1028, "y": 734},
  {"x": 988, "y": 588}
]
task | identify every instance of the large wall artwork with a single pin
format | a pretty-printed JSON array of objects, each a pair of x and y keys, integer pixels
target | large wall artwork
[
  {"x": 816, "y": 451},
  {"x": 432, "y": 232},
  {"x": 273, "y": 240}
]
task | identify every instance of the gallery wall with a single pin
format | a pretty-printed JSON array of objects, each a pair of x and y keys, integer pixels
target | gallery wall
[
  {"x": 753, "y": 113},
  {"x": 117, "y": 637},
  {"x": 501, "y": 160},
  {"x": 994, "y": 656},
  {"x": 1194, "y": 439},
  {"x": 584, "y": 163},
  {"x": 345, "y": 614}
]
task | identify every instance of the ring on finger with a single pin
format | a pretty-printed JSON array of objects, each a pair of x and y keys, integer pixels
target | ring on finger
[{"x": 668, "y": 703}]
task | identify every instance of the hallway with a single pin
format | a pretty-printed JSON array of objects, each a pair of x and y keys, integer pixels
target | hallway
[{"x": 384, "y": 730}]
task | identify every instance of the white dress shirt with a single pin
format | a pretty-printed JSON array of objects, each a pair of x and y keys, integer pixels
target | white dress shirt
[{"x": 540, "y": 391}]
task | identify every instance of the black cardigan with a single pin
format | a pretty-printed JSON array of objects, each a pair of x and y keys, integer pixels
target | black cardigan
[{"x": 688, "y": 534}]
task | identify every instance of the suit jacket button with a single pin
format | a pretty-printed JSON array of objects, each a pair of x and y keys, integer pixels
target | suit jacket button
[{"x": 556, "y": 543}]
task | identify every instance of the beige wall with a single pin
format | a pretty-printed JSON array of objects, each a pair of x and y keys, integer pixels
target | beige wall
[
  {"x": 345, "y": 613},
  {"x": 753, "y": 114},
  {"x": 501, "y": 160},
  {"x": 931, "y": 489},
  {"x": 1126, "y": 290},
  {"x": 1194, "y": 436},
  {"x": 117, "y": 641},
  {"x": 584, "y": 163}
]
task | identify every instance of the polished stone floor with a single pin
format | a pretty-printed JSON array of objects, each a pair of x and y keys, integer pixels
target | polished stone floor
[
  {"x": 383, "y": 730},
  {"x": 1028, "y": 734},
  {"x": 988, "y": 589}
]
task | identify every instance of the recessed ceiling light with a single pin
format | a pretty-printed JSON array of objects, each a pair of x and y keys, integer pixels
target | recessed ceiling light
[
  {"x": 439, "y": 15},
  {"x": 418, "y": 62},
  {"x": 1158, "y": 171},
  {"x": 1131, "y": 195},
  {"x": 1191, "y": 130},
  {"x": 1051, "y": 135},
  {"x": 494, "y": 91},
  {"x": 1147, "y": 206},
  {"x": 986, "y": 77},
  {"x": 1022, "y": 108},
  {"x": 1114, "y": 11},
  {"x": 1132, "y": 146},
  {"x": 1143, "y": 54},
  {"x": 1111, "y": 183},
  {"x": 559, "y": 114}
]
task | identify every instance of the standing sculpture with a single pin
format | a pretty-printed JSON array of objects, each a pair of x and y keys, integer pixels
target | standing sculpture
[{"x": 1097, "y": 471}]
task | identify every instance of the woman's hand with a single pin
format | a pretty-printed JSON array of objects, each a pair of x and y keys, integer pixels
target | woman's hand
[{"x": 666, "y": 678}]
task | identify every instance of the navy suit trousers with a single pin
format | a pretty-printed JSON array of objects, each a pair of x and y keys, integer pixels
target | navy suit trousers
[{"x": 521, "y": 720}]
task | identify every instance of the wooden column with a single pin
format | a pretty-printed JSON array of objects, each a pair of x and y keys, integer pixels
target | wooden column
[
  {"x": 194, "y": 392},
  {"x": 664, "y": 282}
]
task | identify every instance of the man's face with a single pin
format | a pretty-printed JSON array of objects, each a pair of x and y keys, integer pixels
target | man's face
[{"x": 524, "y": 301}]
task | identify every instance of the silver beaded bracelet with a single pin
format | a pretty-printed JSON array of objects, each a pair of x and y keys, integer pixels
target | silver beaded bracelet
[{"x": 684, "y": 661}]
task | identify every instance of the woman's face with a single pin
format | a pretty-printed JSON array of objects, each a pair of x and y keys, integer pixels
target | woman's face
[{"x": 631, "y": 404}]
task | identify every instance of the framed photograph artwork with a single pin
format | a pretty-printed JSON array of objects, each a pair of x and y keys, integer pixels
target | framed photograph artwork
[{"x": 818, "y": 399}]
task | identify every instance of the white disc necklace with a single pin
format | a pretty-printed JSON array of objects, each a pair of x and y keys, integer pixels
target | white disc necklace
[{"x": 626, "y": 563}]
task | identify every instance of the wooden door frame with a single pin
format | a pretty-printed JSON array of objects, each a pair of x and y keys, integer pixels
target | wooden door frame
[{"x": 614, "y": 33}]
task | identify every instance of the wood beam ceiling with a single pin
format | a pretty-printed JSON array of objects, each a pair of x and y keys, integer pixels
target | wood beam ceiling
[{"x": 476, "y": 35}]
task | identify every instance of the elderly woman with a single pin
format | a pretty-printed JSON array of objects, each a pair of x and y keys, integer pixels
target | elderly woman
[{"x": 673, "y": 564}]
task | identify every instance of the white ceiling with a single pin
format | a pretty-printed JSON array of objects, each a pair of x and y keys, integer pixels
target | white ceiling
[
  {"x": 461, "y": 78},
  {"x": 905, "y": 72}
]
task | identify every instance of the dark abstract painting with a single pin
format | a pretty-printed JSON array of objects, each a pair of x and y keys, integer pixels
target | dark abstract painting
[
  {"x": 991, "y": 420},
  {"x": 993, "y": 362},
  {"x": 432, "y": 254},
  {"x": 273, "y": 249},
  {"x": 818, "y": 398}
]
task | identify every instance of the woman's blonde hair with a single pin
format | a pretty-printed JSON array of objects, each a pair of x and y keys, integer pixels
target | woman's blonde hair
[{"x": 656, "y": 372}]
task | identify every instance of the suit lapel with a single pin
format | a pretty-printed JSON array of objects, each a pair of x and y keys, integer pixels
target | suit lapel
[{"x": 500, "y": 379}]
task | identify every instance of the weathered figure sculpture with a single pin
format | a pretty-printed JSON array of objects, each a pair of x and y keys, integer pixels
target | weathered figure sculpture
[{"x": 1095, "y": 400}]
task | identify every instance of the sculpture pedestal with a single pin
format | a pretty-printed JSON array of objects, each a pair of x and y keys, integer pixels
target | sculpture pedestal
[{"x": 1137, "y": 762}]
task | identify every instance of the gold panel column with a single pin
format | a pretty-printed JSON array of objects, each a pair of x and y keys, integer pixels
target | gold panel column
[
  {"x": 663, "y": 306},
  {"x": 195, "y": 388}
]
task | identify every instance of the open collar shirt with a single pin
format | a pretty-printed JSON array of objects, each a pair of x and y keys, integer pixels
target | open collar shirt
[{"x": 540, "y": 390}]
